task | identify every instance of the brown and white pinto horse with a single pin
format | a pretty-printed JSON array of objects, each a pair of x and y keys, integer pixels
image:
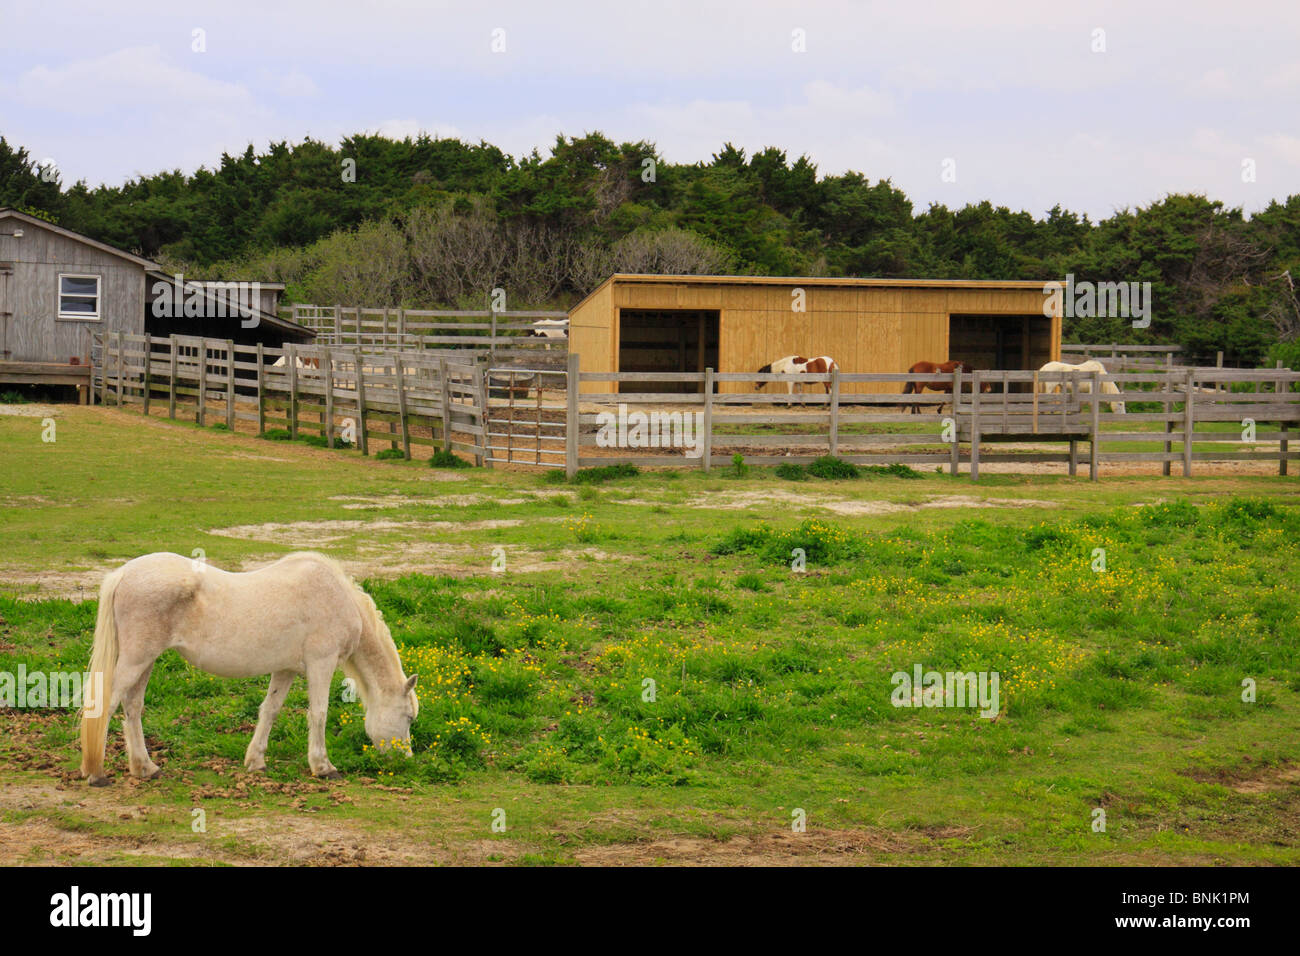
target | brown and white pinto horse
[
  {"x": 797, "y": 364},
  {"x": 937, "y": 385}
]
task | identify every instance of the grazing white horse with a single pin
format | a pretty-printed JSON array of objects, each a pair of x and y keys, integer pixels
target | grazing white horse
[
  {"x": 1092, "y": 365},
  {"x": 301, "y": 615},
  {"x": 797, "y": 364}
]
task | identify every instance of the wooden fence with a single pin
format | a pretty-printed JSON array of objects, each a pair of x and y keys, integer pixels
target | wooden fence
[
  {"x": 399, "y": 398},
  {"x": 539, "y": 417},
  {"x": 1180, "y": 416},
  {"x": 503, "y": 336}
]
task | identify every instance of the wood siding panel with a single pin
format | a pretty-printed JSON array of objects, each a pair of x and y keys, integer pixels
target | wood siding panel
[{"x": 33, "y": 332}]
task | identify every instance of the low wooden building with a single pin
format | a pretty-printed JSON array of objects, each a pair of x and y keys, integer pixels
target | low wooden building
[
  {"x": 648, "y": 323},
  {"x": 58, "y": 288}
]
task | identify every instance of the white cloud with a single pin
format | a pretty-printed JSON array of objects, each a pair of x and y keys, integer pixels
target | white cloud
[{"x": 134, "y": 77}]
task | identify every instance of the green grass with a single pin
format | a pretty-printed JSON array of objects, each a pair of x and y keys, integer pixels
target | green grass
[{"x": 653, "y": 667}]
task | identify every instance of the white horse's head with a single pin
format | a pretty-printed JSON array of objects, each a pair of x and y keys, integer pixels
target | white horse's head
[{"x": 389, "y": 716}]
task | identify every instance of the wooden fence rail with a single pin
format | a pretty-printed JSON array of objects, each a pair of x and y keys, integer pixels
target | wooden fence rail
[
  {"x": 1179, "y": 415},
  {"x": 346, "y": 395},
  {"x": 542, "y": 416},
  {"x": 505, "y": 336}
]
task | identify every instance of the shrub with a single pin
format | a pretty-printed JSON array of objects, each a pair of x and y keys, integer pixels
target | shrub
[
  {"x": 738, "y": 467},
  {"x": 277, "y": 434},
  {"x": 390, "y": 454},
  {"x": 791, "y": 472},
  {"x": 832, "y": 468},
  {"x": 896, "y": 470},
  {"x": 597, "y": 476},
  {"x": 442, "y": 458}
]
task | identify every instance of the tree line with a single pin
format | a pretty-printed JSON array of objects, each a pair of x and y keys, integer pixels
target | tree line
[{"x": 430, "y": 222}]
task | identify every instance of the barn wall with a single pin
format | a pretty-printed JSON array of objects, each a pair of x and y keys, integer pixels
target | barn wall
[
  {"x": 33, "y": 333},
  {"x": 876, "y": 328},
  {"x": 593, "y": 328}
]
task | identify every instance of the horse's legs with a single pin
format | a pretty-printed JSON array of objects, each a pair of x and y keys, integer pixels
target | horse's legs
[
  {"x": 255, "y": 755},
  {"x": 319, "y": 675},
  {"x": 137, "y": 751},
  {"x": 129, "y": 677}
]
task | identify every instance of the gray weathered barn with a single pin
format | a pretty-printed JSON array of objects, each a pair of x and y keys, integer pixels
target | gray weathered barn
[{"x": 58, "y": 288}]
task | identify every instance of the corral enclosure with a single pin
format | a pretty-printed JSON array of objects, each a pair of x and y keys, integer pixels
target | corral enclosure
[{"x": 675, "y": 324}]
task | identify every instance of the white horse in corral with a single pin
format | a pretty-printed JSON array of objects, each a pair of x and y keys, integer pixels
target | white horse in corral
[
  {"x": 550, "y": 328},
  {"x": 299, "y": 361},
  {"x": 1085, "y": 385},
  {"x": 301, "y": 615}
]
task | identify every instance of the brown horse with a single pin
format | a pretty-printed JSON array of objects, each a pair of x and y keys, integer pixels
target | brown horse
[{"x": 937, "y": 385}]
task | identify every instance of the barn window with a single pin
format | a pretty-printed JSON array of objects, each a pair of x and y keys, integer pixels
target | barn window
[{"x": 78, "y": 297}]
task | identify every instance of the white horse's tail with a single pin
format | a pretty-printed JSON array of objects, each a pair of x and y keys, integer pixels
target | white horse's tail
[{"x": 103, "y": 661}]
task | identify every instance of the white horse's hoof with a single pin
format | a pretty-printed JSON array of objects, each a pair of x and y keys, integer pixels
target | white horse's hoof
[{"x": 99, "y": 780}]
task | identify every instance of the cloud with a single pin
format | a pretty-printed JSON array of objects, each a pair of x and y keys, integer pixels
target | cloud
[{"x": 133, "y": 76}]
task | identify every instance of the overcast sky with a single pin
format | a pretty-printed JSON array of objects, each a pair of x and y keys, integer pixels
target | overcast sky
[{"x": 1013, "y": 93}]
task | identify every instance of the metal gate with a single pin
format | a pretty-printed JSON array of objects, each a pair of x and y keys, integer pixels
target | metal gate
[{"x": 526, "y": 416}]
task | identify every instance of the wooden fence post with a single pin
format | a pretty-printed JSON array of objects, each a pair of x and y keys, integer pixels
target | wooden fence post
[
  {"x": 230, "y": 384},
  {"x": 291, "y": 362},
  {"x": 1189, "y": 422},
  {"x": 361, "y": 402},
  {"x": 975, "y": 426},
  {"x": 445, "y": 395},
  {"x": 261, "y": 390},
  {"x": 148, "y": 367},
  {"x": 706, "y": 457},
  {"x": 171, "y": 379},
  {"x": 954, "y": 463},
  {"x": 399, "y": 373},
  {"x": 1095, "y": 442},
  {"x": 481, "y": 390},
  {"x": 202, "y": 414},
  {"x": 1281, "y": 389},
  {"x": 121, "y": 367},
  {"x": 103, "y": 370},
  {"x": 835, "y": 411},
  {"x": 571, "y": 428},
  {"x": 329, "y": 398}
]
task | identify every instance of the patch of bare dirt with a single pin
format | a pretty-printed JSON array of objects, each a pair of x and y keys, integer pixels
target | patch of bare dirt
[
  {"x": 39, "y": 585},
  {"x": 315, "y": 534},
  {"x": 30, "y": 411},
  {"x": 731, "y": 500},
  {"x": 772, "y": 848},
  {"x": 1272, "y": 780},
  {"x": 377, "y": 502}
]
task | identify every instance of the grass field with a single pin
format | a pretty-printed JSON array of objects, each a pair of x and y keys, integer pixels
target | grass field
[{"x": 1120, "y": 689}]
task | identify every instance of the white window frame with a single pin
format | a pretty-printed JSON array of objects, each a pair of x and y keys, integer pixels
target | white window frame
[{"x": 95, "y": 316}]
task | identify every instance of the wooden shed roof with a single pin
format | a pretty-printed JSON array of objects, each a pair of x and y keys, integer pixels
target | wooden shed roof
[{"x": 818, "y": 281}]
